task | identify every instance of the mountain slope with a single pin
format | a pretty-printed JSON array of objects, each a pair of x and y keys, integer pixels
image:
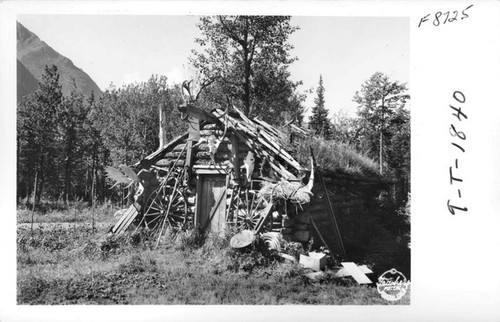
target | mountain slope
[
  {"x": 26, "y": 82},
  {"x": 35, "y": 54}
]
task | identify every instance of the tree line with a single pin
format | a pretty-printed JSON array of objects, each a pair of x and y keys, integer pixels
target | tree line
[
  {"x": 64, "y": 142},
  {"x": 380, "y": 129}
]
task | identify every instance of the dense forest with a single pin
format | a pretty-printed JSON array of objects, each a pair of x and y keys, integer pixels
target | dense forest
[{"x": 64, "y": 142}]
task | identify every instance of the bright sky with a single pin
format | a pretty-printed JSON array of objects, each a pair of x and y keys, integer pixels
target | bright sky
[{"x": 124, "y": 49}]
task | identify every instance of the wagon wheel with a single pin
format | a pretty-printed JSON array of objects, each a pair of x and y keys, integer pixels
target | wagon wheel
[
  {"x": 168, "y": 205},
  {"x": 247, "y": 210}
]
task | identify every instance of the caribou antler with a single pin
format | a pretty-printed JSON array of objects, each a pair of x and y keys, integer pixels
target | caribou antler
[
  {"x": 206, "y": 83},
  {"x": 187, "y": 86}
]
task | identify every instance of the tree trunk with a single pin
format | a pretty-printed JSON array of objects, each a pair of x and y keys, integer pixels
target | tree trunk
[
  {"x": 67, "y": 170},
  {"x": 28, "y": 194},
  {"x": 246, "y": 85},
  {"x": 86, "y": 191},
  {"x": 382, "y": 128},
  {"x": 40, "y": 181},
  {"x": 33, "y": 213},
  {"x": 381, "y": 153},
  {"x": 34, "y": 192},
  {"x": 92, "y": 176}
]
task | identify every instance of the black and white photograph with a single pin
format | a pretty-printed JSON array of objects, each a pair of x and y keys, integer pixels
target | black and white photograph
[
  {"x": 221, "y": 179},
  {"x": 203, "y": 161}
]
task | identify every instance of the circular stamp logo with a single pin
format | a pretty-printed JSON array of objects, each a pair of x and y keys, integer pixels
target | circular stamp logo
[{"x": 392, "y": 285}]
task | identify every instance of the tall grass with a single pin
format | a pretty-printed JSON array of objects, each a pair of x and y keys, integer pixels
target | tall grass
[
  {"x": 61, "y": 264},
  {"x": 334, "y": 156},
  {"x": 73, "y": 212}
]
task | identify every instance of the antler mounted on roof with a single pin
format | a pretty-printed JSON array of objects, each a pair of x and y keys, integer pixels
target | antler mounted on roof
[
  {"x": 189, "y": 107},
  {"x": 186, "y": 85}
]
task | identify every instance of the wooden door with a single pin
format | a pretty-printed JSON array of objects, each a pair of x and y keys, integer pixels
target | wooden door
[{"x": 211, "y": 202}]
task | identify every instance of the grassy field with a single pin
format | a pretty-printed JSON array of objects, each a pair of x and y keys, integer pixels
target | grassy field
[{"x": 64, "y": 261}]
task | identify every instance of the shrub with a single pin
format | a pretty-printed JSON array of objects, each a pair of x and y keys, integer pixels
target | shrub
[{"x": 137, "y": 264}]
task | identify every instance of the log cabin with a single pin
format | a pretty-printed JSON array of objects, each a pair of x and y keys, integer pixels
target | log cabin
[{"x": 230, "y": 173}]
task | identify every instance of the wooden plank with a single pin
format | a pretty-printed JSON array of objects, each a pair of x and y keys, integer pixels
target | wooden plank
[
  {"x": 268, "y": 127},
  {"x": 126, "y": 216},
  {"x": 179, "y": 147},
  {"x": 262, "y": 218},
  {"x": 343, "y": 272},
  {"x": 131, "y": 218},
  {"x": 298, "y": 129},
  {"x": 197, "y": 213},
  {"x": 314, "y": 261},
  {"x": 214, "y": 209},
  {"x": 229, "y": 203},
  {"x": 271, "y": 144},
  {"x": 167, "y": 163},
  {"x": 356, "y": 273},
  {"x": 210, "y": 169},
  {"x": 189, "y": 154},
  {"x": 263, "y": 139},
  {"x": 125, "y": 221},
  {"x": 120, "y": 221},
  {"x": 286, "y": 174},
  {"x": 219, "y": 156},
  {"x": 244, "y": 117},
  {"x": 205, "y": 200},
  {"x": 159, "y": 153},
  {"x": 279, "y": 151},
  {"x": 365, "y": 269}
]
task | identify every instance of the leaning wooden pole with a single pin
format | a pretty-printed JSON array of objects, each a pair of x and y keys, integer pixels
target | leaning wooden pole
[
  {"x": 330, "y": 209},
  {"x": 334, "y": 219}
]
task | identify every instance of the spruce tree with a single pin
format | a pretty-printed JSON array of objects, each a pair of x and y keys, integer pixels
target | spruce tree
[
  {"x": 37, "y": 134},
  {"x": 319, "y": 121}
]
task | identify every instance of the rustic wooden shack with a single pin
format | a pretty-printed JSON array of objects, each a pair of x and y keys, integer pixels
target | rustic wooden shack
[{"x": 230, "y": 173}]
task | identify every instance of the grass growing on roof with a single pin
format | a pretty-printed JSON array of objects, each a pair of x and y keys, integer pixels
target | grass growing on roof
[{"x": 334, "y": 156}]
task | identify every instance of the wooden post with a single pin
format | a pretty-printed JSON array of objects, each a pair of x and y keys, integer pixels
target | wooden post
[
  {"x": 188, "y": 165},
  {"x": 162, "y": 135},
  {"x": 236, "y": 161}
]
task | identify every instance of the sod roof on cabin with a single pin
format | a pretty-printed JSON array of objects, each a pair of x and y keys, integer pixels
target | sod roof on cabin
[
  {"x": 330, "y": 156},
  {"x": 335, "y": 157}
]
